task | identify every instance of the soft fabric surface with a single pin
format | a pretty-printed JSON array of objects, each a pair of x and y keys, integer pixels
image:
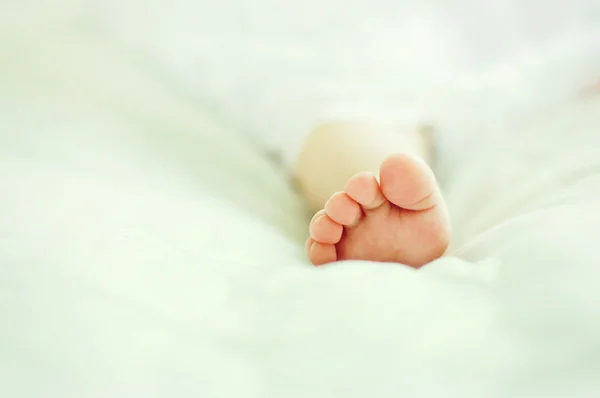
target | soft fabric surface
[
  {"x": 276, "y": 71},
  {"x": 148, "y": 250}
]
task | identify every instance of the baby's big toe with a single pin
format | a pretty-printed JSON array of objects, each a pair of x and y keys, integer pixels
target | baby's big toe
[{"x": 408, "y": 182}]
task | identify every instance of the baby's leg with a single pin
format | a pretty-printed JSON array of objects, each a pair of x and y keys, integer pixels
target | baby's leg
[
  {"x": 335, "y": 152},
  {"x": 400, "y": 218}
]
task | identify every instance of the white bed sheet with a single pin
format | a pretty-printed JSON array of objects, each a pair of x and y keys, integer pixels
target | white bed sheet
[
  {"x": 276, "y": 71},
  {"x": 146, "y": 250}
]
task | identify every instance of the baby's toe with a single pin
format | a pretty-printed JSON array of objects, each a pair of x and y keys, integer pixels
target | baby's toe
[
  {"x": 308, "y": 245},
  {"x": 408, "y": 182},
  {"x": 323, "y": 229},
  {"x": 343, "y": 209},
  {"x": 320, "y": 253},
  {"x": 364, "y": 189}
]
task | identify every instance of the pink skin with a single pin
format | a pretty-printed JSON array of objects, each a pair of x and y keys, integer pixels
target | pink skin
[{"x": 402, "y": 219}]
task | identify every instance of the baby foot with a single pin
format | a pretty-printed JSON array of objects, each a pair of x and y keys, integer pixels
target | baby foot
[{"x": 401, "y": 219}]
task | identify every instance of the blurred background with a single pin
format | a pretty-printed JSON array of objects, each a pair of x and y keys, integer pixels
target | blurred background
[
  {"x": 272, "y": 67},
  {"x": 121, "y": 157}
]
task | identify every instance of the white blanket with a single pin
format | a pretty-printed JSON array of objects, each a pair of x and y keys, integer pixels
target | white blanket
[{"x": 146, "y": 249}]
